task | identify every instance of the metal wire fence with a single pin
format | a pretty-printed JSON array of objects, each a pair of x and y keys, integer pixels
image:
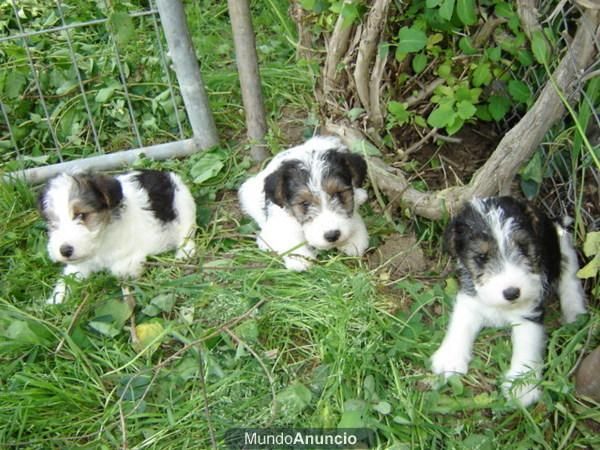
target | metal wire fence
[{"x": 82, "y": 81}]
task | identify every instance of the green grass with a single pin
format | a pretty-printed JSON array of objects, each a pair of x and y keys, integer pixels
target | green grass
[{"x": 247, "y": 343}]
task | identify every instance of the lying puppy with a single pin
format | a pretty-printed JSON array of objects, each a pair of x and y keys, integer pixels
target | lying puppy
[
  {"x": 510, "y": 259},
  {"x": 99, "y": 222},
  {"x": 307, "y": 199}
]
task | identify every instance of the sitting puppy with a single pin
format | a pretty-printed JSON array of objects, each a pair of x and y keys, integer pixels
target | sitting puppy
[
  {"x": 510, "y": 260},
  {"x": 307, "y": 198},
  {"x": 98, "y": 222}
]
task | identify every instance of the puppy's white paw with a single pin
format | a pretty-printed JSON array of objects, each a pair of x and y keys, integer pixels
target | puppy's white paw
[
  {"x": 58, "y": 294},
  {"x": 448, "y": 362},
  {"x": 186, "y": 251},
  {"x": 355, "y": 247},
  {"x": 297, "y": 263},
  {"x": 524, "y": 394}
]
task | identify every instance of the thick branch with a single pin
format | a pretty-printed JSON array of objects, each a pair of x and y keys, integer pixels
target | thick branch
[
  {"x": 514, "y": 149},
  {"x": 367, "y": 49},
  {"x": 338, "y": 44},
  {"x": 528, "y": 13}
]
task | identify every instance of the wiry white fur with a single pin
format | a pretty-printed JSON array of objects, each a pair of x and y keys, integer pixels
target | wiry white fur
[
  {"x": 281, "y": 232},
  {"x": 489, "y": 308},
  {"x": 121, "y": 246}
]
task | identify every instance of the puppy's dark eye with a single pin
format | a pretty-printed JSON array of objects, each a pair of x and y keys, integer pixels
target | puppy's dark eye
[
  {"x": 481, "y": 258},
  {"x": 80, "y": 216},
  {"x": 305, "y": 205},
  {"x": 339, "y": 196},
  {"x": 523, "y": 248}
]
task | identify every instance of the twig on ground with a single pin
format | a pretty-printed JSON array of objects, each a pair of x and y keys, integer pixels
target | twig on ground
[{"x": 211, "y": 431}]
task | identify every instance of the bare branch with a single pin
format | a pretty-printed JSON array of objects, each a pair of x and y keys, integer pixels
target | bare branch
[
  {"x": 338, "y": 44},
  {"x": 367, "y": 49}
]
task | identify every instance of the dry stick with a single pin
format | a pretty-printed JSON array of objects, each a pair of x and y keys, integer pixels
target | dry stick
[
  {"x": 264, "y": 368},
  {"x": 517, "y": 145},
  {"x": 247, "y": 64},
  {"x": 123, "y": 427},
  {"x": 338, "y": 44},
  {"x": 367, "y": 49},
  {"x": 528, "y": 14},
  {"x": 213, "y": 439},
  {"x": 424, "y": 93},
  {"x": 377, "y": 73}
]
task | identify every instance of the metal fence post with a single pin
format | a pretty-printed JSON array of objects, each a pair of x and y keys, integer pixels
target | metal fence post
[{"x": 182, "y": 54}]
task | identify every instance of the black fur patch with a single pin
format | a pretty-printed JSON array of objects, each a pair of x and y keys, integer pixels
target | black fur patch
[
  {"x": 281, "y": 185},
  {"x": 347, "y": 166},
  {"x": 161, "y": 193}
]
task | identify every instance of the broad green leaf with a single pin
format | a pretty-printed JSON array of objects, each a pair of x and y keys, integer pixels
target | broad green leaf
[
  {"x": 498, "y": 106},
  {"x": 208, "y": 166},
  {"x": 441, "y": 116},
  {"x": 105, "y": 328},
  {"x": 118, "y": 311},
  {"x": 353, "y": 415},
  {"x": 494, "y": 53},
  {"x": 465, "y": 109},
  {"x": 292, "y": 400},
  {"x": 519, "y": 91},
  {"x": 466, "y": 46},
  {"x": 432, "y": 3},
  {"x": 591, "y": 246},
  {"x": 591, "y": 269},
  {"x": 466, "y": 11},
  {"x": 383, "y": 407},
  {"x": 164, "y": 302},
  {"x": 446, "y": 9},
  {"x": 364, "y": 147},
  {"x": 482, "y": 75},
  {"x": 105, "y": 94},
  {"x": 445, "y": 70},
  {"x": 14, "y": 83},
  {"x": 419, "y": 62},
  {"x": 132, "y": 387},
  {"x": 411, "y": 40},
  {"x": 122, "y": 26},
  {"x": 539, "y": 47},
  {"x": 534, "y": 170},
  {"x": 455, "y": 124},
  {"x": 398, "y": 110},
  {"x": 148, "y": 333}
]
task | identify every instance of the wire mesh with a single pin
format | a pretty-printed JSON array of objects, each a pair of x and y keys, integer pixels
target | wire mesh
[{"x": 82, "y": 79}]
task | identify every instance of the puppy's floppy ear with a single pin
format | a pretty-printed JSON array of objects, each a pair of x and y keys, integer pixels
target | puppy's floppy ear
[
  {"x": 109, "y": 190},
  {"x": 453, "y": 236},
  {"x": 275, "y": 186},
  {"x": 358, "y": 167},
  {"x": 41, "y": 201}
]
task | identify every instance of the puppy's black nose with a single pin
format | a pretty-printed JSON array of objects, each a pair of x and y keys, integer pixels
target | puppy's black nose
[
  {"x": 66, "y": 250},
  {"x": 332, "y": 235},
  {"x": 511, "y": 293}
]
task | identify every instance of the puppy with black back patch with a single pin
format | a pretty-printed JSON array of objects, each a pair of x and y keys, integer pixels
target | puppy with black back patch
[
  {"x": 100, "y": 222},
  {"x": 510, "y": 259},
  {"x": 307, "y": 199}
]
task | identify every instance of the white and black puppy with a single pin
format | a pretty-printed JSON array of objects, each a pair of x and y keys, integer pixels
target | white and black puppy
[
  {"x": 510, "y": 259},
  {"x": 100, "y": 222},
  {"x": 307, "y": 199}
]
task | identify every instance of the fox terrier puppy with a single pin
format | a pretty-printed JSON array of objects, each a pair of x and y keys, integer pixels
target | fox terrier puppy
[
  {"x": 306, "y": 199},
  {"x": 100, "y": 222},
  {"x": 510, "y": 259}
]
